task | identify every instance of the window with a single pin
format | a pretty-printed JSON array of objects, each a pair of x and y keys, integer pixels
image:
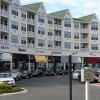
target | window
[
  {"x": 15, "y": 9},
  {"x": 94, "y": 46},
  {"x": 50, "y": 43},
  {"x": 41, "y": 17},
  {"x": 14, "y": 38},
  {"x": 94, "y": 36},
  {"x": 76, "y": 45},
  {"x": 23, "y": 27},
  {"x": 41, "y": 30},
  {"x": 76, "y": 24},
  {"x": 67, "y": 34},
  {"x": 94, "y": 26},
  {"x": 76, "y": 35},
  {"x": 67, "y": 22},
  {"x": 23, "y": 13},
  {"x": 23, "y": 40},
  {"x": 30, "y": 28},
  {"x": 41, "y": 42},
  {"x": 14, "y": 25},
  {"x": 49, "y": 20},
  {"x": 50, "y": 32},
  {"x": 67, "y": 45}
]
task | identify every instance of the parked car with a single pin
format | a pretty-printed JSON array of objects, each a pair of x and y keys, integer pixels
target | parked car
[
  {"x": 59, "y": 72},
  {"x": 6, "y": 78},
  {"x": 16, "y": 74},
  {"x": 38, "y": 73},
  {"x": 49, "y": 72},
  {"x": 26, "y": 74},
  {"x": 76, "y": 74}
]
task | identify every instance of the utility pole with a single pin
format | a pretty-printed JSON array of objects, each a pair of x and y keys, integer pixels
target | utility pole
[{"x": 70, "y": 77}]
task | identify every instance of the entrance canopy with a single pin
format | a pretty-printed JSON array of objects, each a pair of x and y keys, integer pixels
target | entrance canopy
[
  {"x": 6, "y": 57},
  {"x": 39, "y": 58}
]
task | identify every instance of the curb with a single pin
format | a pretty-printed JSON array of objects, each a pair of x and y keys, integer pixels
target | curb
[
  {"x": 6, "y": 94},
  {"x": 96, "y": 84}
]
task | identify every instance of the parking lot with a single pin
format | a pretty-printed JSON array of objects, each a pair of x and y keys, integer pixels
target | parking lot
[{"x": 52, "y": 88}]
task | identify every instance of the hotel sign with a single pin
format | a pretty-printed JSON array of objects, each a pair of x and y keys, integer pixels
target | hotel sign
[{"x": 55, "y": 52}]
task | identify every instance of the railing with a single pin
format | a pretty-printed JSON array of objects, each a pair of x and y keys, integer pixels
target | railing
[
  {"x": 57, "y": 47},
  {"x": 84, "y": 49},
  {"x": 30, "y": 45},
  {"x": 4, "y": 41},
  {"x": 4, "y": 12},
  {"x": 4, "y": 28},
  {"x": 30, "y": 34},
  {"x": 84, "y": 30},
  {"x": 57, "y": 37},
  {"x": 83, "y": 40},
  {"x": 57, "y": 26},
  {"x": 31, "y": 21}
]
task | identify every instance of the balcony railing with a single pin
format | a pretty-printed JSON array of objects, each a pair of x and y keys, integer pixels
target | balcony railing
[
  {"x": 57, "y": 26},
  {"x": 57, "y": 47},
  {"x": 30, "y": 45},
  {"x": 4, "y": 41},
  {"x": 4, "y": 28},
  {"x": 84, "y": 49},
  {"x": 57, "y": 37},
  {"x": 84, "y": 30},
  {"x": 4, "y": 13},
  {"x": 30, "y": 34},
  {"x": 84, "y": 40},
  {"x": 31, "y": 21}
]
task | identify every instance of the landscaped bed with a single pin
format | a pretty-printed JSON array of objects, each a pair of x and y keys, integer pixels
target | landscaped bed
[{"x": 5, "y": 88}]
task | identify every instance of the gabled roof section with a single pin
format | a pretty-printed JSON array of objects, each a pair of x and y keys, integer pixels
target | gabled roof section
[
  {"x": 87, "y": 18},
  {"x": 34, "y": 7},
  {"x": 59, "y": 14}
]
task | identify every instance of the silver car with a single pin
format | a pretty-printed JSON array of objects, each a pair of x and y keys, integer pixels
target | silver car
[{"x": 16, "y": 74}]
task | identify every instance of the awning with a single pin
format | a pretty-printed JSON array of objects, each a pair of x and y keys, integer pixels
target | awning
[
  {"x": 6, "y": 57},
  {"x": 93, "y": 59},
  {"x": 39, "y": 58}
]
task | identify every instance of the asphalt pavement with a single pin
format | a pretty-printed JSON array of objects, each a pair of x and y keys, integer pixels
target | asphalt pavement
[{"x": 52, "y": 88}]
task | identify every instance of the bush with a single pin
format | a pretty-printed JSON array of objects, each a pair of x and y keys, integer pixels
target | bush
[{"x": 6, "y": 88}]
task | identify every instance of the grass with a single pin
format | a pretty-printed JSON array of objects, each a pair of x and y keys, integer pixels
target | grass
[{"x": 5, "y": 88}]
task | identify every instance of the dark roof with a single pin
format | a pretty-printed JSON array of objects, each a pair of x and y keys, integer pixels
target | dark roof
[
  {"x": 87, "y": 18},
  {"x": 34, "y": 7},
  {"x": 60, "y": 14}
]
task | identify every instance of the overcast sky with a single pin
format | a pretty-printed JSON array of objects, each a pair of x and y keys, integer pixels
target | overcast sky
[{"x": 77, "y": 8}]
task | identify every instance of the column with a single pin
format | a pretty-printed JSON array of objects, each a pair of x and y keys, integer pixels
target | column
[
  {"x": 11, "y": 63},
  {"x": 82, "y": 62},
  {"x": 64, "y": 66},
  {"x": 29, "y": 62}
]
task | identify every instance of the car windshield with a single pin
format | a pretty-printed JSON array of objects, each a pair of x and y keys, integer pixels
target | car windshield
[
  {"x": 24, "y": 72},
  {"x": 14, "y": 71},
  {"x": 4, "y": 75},
  {"x": 77, "y": 71}
]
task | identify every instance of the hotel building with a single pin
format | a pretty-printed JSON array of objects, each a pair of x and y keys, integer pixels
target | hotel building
[{"x": 30, "y": 38}]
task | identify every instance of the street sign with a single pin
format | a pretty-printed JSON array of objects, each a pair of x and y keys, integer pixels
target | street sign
[{"x": 88, "y": 74}]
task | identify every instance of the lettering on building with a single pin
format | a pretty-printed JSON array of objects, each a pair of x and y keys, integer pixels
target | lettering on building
[
  {"x": 21, "y": 50},
  {"x": 4, "y": 47}
]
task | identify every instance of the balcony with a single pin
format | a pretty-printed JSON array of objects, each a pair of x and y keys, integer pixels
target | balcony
[
  {"x": 84, "y": 30},
  {"x": 30, "y": 45},
  {"x": 4, "y": 28},
  {"x": 57, "y": 26},
  {"x": 31, "y": 21},
  {"x": 57, "y": 47},
  {"x": 30, "y": 34},
  {"x": 57, "y": 37},
  {"x": 84, "y": 49},
  {"x": 4, "y": 13},
  {"x": 84, "y": 40},
  {"x": 4, "y": 41}
]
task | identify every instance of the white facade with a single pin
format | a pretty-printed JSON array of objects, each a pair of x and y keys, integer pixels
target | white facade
[{"x": 28, "y": 40}]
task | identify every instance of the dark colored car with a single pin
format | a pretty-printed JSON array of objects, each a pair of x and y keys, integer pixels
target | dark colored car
[
  {"x": 49, "y": 72},
  {"x": 59, "y": 72},
  {"x": 38, "y": 73},
  {"x": 26, "y": 74}
]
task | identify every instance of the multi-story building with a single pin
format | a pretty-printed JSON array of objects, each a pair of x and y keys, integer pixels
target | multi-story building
[{"x": 29, "y": 37}]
